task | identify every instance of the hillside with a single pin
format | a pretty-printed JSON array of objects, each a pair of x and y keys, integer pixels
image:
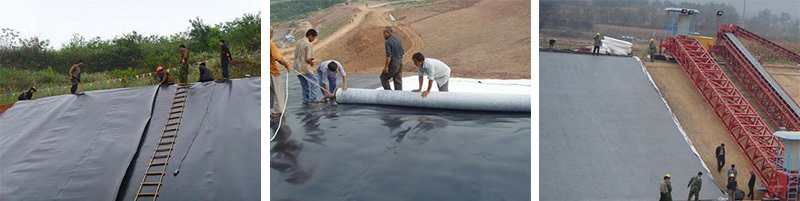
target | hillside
[{"x": 467, "y": 35}]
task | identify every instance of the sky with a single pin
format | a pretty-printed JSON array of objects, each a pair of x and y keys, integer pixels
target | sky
[
  {"x": 59, "y": 20},
  {"x": 753, "y": 7}
]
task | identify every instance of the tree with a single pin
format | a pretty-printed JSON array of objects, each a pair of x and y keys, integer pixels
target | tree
[
  {"x": 204, "y": 37},
  {"x": 245, "y": 32}
]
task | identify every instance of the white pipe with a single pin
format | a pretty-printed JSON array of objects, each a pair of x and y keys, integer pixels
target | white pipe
[{"x": 437, "y": 100}]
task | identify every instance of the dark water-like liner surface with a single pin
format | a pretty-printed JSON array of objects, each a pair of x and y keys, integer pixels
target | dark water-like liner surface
[{"x": 368, "y": 152}]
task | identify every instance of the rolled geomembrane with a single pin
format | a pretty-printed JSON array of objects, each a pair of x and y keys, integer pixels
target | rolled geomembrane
[{"x": 437, "y": 100}]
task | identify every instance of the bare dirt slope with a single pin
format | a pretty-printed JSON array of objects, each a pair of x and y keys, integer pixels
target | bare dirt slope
[
  {"x": 487, "y": 39},
  {"x": 359, "y": 44},
  {"x": 328, "y": 22},
  {"x": 5, "y": 107},
  {"x": 361, "y": 50},
  {"x": 699, "y": 121},
  {"x": 490, "y": 39},
  {"x": 788, "y": 78},
  {"x": 409, "y": 15}
]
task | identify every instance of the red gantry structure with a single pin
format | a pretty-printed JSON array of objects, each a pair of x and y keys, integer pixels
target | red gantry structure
[
  {"x": 753, "y": 137},
  {"x": 776, "y": 103},
  {"x": 744, "y": 33}
]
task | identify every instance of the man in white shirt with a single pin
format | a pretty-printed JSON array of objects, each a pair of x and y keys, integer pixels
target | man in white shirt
[
  {"x": 435, "y": 69},
  {"x": 327, "y": 71}
]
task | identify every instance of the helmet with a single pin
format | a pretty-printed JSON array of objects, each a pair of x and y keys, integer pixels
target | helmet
[
  {"x": 598, "y": 33},
  {"x": 34, "y": 89},
  {"x": 651, "y": 40},
  {"x": 667, "y": 175},
  {"x": 732, "y": 175},
  {"x": 159, "y": 69}
]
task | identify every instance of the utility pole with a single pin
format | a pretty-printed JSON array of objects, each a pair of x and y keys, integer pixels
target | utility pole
[
  {"x": 744, "y": 8},
  {"x": 719, "y": 14}
]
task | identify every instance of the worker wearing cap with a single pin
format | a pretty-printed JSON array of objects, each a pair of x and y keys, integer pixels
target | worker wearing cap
[
  {"x": 751, "y": 184},
  {"x": 731, "y": 186},
  {"x": 694, "y": 186},
  {"x": 666, "y": 189},
  {"x": 27, "y": 95},
  {"x": 652, "y": 50},
  {"x": 598, "y": 41},
  {"x": 164, "y": 78}
]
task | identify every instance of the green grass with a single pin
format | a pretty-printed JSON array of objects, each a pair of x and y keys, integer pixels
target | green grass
[
  {"x": 405, "y": 4},
  {"x": 329, "y": 29},
  {"x": 53, "y": 83},
  {"x": 290, "y": 10}
]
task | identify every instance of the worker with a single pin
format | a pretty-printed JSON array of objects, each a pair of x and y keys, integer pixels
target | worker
[
  {"x": 733, "y": 170},
  {"x": 731, "y": 186},
  {"x": 751, "y": 184},
  {"x": 598, "y": 41},
  {"x": 652, "y": 50},
  {"x": 164, "y": 78},
  {"x": 184, "y": 59},
  {"x": 666, "y": 189},
  {"x": 27, "y": 95},
  {"x": 75, "y": 76},
  {"x": 205, "y": 73},
  {"x": 327, "y": 71},
  {"x": 720, "y": 157},
  {"x": 435, "y": 69},
  {"x": 393, "y": 68},
  {"x": 276, "y": 87},
  {"x": 694, "y": 186},
  {"x": 225, "y": 58},
  {"x": 552, "y": 43},
  {"x": 304, "y": 65}
]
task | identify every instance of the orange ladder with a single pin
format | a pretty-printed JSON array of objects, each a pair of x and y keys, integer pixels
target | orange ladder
[{"x": 157, "y": 167}]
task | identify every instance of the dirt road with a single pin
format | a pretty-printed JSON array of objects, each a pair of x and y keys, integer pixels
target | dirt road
[
  {"x": 367, "y": 20},
  {"x": 487, "y": 39},
  {"x": 346, "y": 28}
]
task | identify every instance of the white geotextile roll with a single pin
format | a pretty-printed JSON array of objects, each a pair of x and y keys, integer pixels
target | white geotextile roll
[
  {"x": 616, "y": 46},
  {"x": 437, "y": 100}
]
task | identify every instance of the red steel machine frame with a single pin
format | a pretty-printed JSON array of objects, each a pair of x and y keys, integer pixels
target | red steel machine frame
[
  {"x": 739, "y": 31},
  {"x": 765, "y": 92},
  {"x": 753, "y": 137},
  {"x": 754, "y": 82}
]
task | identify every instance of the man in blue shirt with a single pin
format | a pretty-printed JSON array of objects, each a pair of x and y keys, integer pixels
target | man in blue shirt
[{"x": 393, "y": 69}]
